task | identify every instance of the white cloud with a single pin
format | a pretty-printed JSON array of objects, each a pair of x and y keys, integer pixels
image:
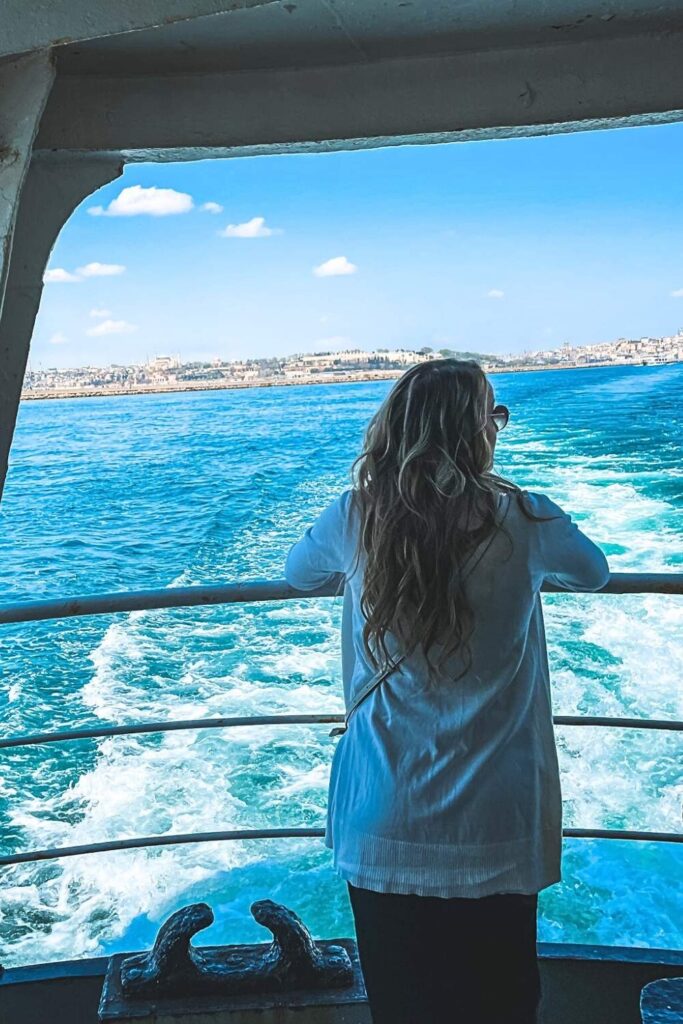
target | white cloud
[
  {"x": 136, "y": 200},
  {"x": 111, "y": 327},
  {"x": 495, "y": 293},
  {"x": 101, "y": 270},
  {"x": 677, "y": 294},
  {"x": 336, "y": 267},
  {"x": 59, "y": 276},
  {"x": 99, "y": 313},
  {"x": 211, "y": 208},
  {"x": 58, "y": 339},
  {"x": 254, "y": 228}
]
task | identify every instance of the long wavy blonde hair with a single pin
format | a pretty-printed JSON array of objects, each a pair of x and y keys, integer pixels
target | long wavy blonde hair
[{"x": 423, "y": 479}]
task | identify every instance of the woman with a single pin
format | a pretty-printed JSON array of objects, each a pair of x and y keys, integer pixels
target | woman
[{"x": 444, "y": 811}]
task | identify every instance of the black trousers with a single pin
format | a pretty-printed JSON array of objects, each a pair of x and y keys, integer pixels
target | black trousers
[{"x": 428, "y": 960}]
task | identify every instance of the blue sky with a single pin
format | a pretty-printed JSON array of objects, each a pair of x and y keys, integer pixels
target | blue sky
[{"x": 492, "y": 246}]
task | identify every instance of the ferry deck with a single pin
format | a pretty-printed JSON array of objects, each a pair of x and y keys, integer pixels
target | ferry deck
[{"x": 85, "y": 90}]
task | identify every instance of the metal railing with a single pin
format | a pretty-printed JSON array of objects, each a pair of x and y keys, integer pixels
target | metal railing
[
  {"x": 242, "y": 593},
  {"x": 268, "y": 590}
]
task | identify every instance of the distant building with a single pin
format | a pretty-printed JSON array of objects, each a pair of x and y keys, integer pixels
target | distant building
[{"x": 161, "y": 363}]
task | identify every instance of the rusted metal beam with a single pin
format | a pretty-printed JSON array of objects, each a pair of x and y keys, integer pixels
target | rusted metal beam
[{"x": 54, "y": 23}]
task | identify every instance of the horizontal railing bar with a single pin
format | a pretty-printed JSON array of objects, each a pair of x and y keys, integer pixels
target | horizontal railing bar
[
  {"x": 632, "y": 583},
  {"x": 667, "y": 724},
  {"x": 98, "y": 732},
  {"x": 56, "y": 853},
  {"x": 618, "y": 833},
  {"x": 166, "y": 597},
  {"x": 269, "y": 590},
  {"x": 172, "y": 840},
  {"x": 149, "y": 727}
]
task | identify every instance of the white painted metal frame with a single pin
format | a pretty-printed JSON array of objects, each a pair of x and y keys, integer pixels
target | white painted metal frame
[{"x": 92, "y": 125}]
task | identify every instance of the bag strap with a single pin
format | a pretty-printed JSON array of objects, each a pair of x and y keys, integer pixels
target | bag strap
[{"x": 365, "y": 692}]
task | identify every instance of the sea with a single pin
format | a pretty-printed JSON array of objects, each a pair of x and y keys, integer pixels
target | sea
[{"x": 144, "y": 491}]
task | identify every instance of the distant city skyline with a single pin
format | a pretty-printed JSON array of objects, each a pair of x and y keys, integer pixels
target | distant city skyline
[
  {"x": 496, "y": 247},
  {"x": 169, "y": 373}
]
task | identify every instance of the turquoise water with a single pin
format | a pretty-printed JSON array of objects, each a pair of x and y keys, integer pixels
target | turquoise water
[{"x": 171, "y": 490}]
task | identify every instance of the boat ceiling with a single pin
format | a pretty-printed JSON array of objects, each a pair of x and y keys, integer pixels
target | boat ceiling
[{"x": 308, "y": 33}]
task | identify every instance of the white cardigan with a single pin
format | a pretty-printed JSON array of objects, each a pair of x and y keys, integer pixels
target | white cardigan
[{"x": 449, "y": 788}]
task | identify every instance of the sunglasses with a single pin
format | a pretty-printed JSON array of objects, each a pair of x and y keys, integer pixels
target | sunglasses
[{"x": 500, "y": 416}]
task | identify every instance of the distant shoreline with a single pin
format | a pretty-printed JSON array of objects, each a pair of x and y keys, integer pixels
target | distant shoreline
[{"x": 224, "y": 385}]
